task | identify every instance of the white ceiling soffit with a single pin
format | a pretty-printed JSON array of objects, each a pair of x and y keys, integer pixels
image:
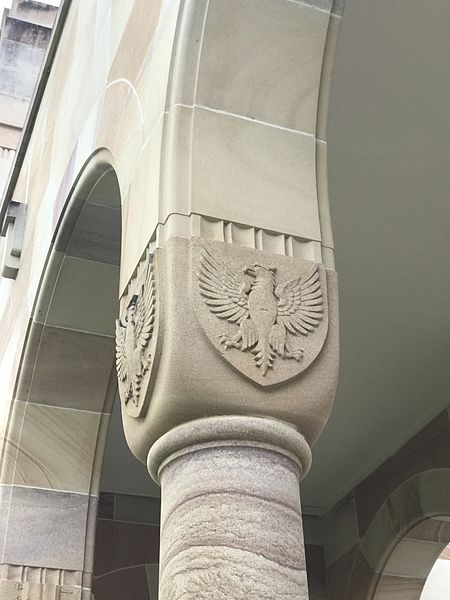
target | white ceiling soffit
[{"x": 389, "y": 177}]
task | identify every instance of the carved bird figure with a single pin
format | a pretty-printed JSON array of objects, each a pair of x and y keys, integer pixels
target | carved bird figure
[
  {"x": 265, "y": 312},
  {"x": 133, "y": 335}
]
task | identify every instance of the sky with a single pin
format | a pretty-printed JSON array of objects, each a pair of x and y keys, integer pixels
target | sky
[{"x": 436, "y": 587}]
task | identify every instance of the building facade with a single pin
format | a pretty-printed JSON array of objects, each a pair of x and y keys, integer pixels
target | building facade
[
  {"x": 24, "y": 36},
  {"x": 173, "y": 298}
]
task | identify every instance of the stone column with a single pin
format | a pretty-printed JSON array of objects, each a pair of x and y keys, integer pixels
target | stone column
[
  {"x": 231, "y": 525},
  {"x": 228, "y": 336}
]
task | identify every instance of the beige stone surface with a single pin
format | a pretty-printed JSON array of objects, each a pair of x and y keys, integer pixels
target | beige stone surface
[
  {"x": 147, "y": 175},
  {"x": 187, "y": 49},
  {"x": 231, "y": 522},
  {"x": 20, "y": 582},
  {"x": 96, "y": 307},
  {"x": 56, "y": 449},
  {"x": 412, "y": 558},
  {"x": 326, "y": 75},
  {"x": 272, "y": 84},
  {"x": 182, "y": 389},
  {"x": 218, "y": 431},
  {"x": 288, "y": 341},
  {"x": 265, "y": 189},
  {"x": 83, "y": 361}
]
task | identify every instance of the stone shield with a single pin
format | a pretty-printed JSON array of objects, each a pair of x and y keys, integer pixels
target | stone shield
[
  {"x": 137, "y": 337},
  {"x": 266, "y": 314}
]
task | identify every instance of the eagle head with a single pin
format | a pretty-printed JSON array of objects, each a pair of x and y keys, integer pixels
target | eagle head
[
  {"x": 260, "y": 271},
  {"x": 131, "y": 309}
]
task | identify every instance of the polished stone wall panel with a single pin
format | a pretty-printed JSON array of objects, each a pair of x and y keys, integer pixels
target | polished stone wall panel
[
  {"x": 315, "y": 567},
  {"x": 122, "y": 544},
  {"x": 412, "y": 558},
  {"x": 106, "y": 505},
  {"x": 338, "y": 574},
  {"x": 131, "y": 583},
  {"x": 434, "y": 492},
  {"x": 137, "y": 509},
  {"x": 431, "y": 530}
]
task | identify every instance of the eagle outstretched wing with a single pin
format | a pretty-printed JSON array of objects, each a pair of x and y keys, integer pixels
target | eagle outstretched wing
[
  {"x": 300, "y": 302},
  {"x": 131, "y": 357},
  {"x": 121, "y": 358},
  {"x": 145, "y": 313},
  {"x": 224, "y": 290}
]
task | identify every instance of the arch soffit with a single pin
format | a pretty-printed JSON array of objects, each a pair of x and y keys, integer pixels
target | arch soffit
[
  {"x": 404, "y": 539},
  {"x": 66, "y": 380}
]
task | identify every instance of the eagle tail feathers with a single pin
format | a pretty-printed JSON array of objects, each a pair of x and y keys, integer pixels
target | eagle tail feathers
[{"x": 264, "y": 355}]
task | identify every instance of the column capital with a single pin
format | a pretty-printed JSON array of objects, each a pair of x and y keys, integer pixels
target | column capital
[
  {"x": 213, "y": 328},
  {"x": 229, "y": 431}
]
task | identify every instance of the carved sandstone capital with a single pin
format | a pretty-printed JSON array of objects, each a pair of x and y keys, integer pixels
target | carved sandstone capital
[{"x": 213, "y": 328}]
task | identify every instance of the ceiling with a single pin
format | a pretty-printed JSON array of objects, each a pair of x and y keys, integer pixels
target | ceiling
[{"x": 389, "y": 178}]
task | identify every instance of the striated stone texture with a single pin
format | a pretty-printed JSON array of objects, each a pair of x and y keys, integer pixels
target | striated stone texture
[{"x": 231, "y": 525}]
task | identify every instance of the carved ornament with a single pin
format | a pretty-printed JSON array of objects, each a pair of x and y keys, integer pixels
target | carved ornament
[
  {"x": 135, "y": 337},
  {"x": 274, "y": 308}
]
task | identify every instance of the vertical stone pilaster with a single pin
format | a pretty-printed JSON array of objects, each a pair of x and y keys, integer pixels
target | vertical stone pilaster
[{"x": 231, "y": 518}]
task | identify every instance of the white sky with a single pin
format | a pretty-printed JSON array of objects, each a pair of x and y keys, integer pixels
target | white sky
[{"x": 437, "y": 585}]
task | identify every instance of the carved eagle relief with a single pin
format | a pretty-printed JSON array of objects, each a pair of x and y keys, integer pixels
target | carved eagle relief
[
  {"x": 266, "y": 314},
  {"x": 133, "y": 335}
]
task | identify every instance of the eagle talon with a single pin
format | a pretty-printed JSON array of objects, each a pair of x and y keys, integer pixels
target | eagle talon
[
  {"x": 229, "y": 342},
  {"x": 295, "y": 354}
]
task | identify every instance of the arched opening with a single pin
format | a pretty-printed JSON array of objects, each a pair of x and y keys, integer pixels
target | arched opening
[
  {"x": 421, "y": 510},
  {"x": 438, "y": 581},
  {"x": 127, "y": 528},
  {"x": 404, "y": 540},
  {"x": 65, "y": 390}
]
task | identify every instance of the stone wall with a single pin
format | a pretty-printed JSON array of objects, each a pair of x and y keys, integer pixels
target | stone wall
[
  {"x": 383, "y": 538},
  {"x": 126, "y": 548}
]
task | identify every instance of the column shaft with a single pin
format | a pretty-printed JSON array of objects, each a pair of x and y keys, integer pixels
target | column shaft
[{"x": 231, "y": 525}]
